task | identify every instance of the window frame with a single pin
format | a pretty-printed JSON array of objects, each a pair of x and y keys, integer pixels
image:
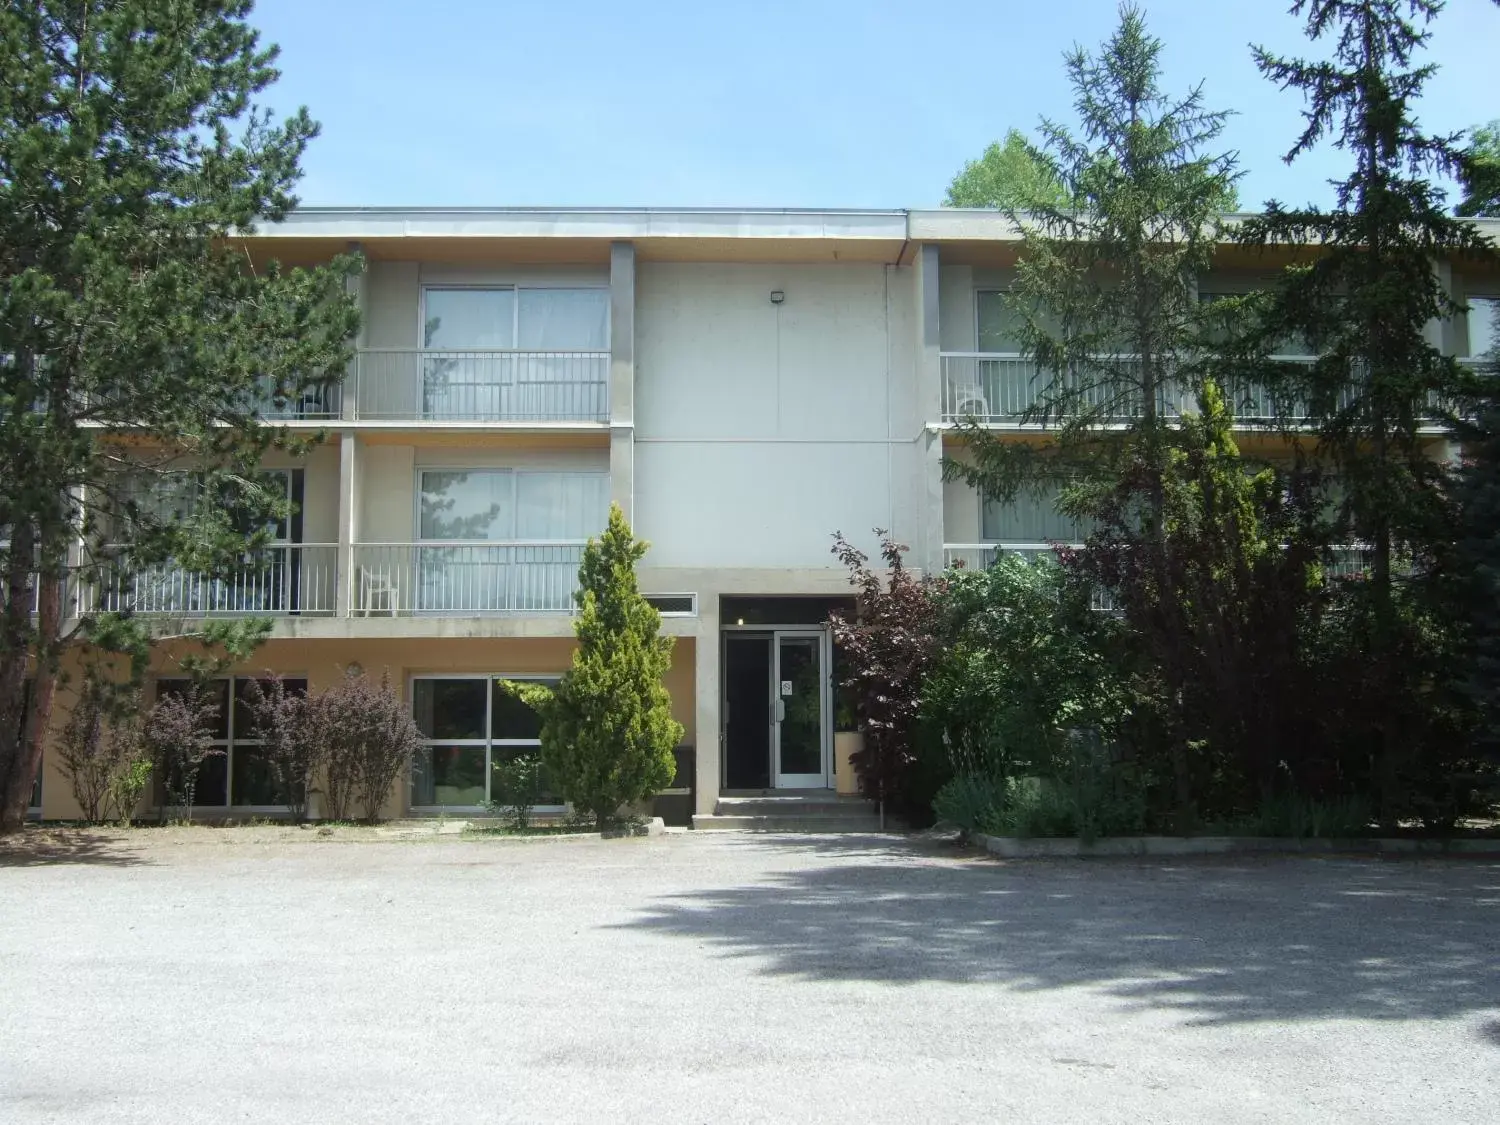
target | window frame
[
  {"x": 515, "y": 323},
  {"x": 229, "y": 742},
  {"x": 690, "y": 612},
  {"x": 489, "y": 741}
]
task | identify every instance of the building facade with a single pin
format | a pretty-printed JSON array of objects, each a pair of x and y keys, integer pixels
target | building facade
[{"x": 743, "y": 384}]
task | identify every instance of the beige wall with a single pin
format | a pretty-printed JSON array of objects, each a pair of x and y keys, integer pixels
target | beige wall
[
  {"x": 961, "y": 523},
  {"x": 956, "y": 308},
  {"x": 324, "y": 663},
  {"x": 391, "y": 290},
  {"x": 320, "y": 490}
]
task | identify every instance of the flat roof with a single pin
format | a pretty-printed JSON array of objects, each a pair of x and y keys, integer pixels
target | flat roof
[
  {"x": 583, "y": 234},
  {"x": 588, "y": 222}
]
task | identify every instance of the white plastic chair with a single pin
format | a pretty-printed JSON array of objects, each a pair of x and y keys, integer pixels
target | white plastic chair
[
  {"x": 969, "y": 401},
  {"x": 377, "y": 584}
]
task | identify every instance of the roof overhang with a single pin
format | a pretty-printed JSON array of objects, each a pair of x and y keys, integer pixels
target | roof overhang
[{"x": 583, "y": 235}]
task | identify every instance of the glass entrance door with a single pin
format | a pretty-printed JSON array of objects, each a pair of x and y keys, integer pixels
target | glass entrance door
[{"x": 800, "y": 736}]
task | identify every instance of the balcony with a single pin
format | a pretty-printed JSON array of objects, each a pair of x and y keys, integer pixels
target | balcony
[
  {"x": 479, "y": 386},
  {"x": 463, "y": 578},
  {"x": 997, "y": 389},
  {"x": 980, "y": 556},
  {"x": 1347, "y": 563},
  {"x": 281, "y": 580}
]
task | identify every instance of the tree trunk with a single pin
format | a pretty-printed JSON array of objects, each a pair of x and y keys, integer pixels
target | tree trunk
[
  {"x": 21, "y": 743},
  {"x": 15, "y": 782}
]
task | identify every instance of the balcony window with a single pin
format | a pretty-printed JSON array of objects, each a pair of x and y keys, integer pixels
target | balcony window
[
  {"x": 470, "y": 726},
  {"x": 503, "y": 353},
  {"x": 1484, "y": 325},
  {"x": 276, "y": 578},
  {"x": 563, "y": 320},
  {"x": 496, "y": 505},
  {"x": 497, "y": 540},
  {"x": 1291, "y": 346},
  {"x": 469, "y": 318},
  {"x": 998, "y": 324},
  {"x": 1028, "y": 519}
]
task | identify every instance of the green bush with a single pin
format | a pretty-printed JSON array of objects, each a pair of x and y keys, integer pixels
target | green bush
[
  {"x": 1033, "y": 806},
  {"x": 1025, "y": 661},
  {"x": 1299, "y": 817},
  {"x": 102, "y": 752},
  {"x": 1091, "y": 795},
  {"x": 518, "y": 789},
  {"x": 968, "y": 801}
]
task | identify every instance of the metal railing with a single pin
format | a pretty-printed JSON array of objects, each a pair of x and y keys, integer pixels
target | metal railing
[
  {"x": 980, "y": 556},
  {"x": 1349, "y": 562},
  {"x": 999, "y": 389},
  {"x": 473, "y": 385},
  {"x": 279, "y": 580},
  {"x": 320, "y": 403},
  {"x": 463, "y": 577}
]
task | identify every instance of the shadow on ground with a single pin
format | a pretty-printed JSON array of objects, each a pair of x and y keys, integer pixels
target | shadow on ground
[
  {"x": 42, "y": 847},
  {"x": 1217, "y": 940}
]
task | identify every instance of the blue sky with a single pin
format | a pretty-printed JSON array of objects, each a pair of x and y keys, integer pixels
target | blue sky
[{"x": 818, "y": 103}]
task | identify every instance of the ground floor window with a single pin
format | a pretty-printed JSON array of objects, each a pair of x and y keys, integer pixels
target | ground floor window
[
  {"x": 470, "y": 726},
  {"x": 238, "y": 776}
]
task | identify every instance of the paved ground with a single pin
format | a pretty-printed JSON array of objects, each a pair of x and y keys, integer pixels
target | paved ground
[{"x": 209, "y": 977}]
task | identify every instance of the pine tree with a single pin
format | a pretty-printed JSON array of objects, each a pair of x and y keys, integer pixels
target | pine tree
[
  {"x": 1102, "y": 291},
  {"x": 1382, "y": 387},
  {"x": 132, "y": 151},
  {"x": 1106, "y": 304},
  {"x": 607, "y": 730}
]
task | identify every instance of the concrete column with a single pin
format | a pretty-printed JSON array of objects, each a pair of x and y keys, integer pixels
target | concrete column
[
  {"x": 355, "y": 287},
  {"x": 929, "y": 549},
  {"x": 622, "y": 376},
  {"x": 348, "y": 521},
  {"x": 708, "y": 749},
  {"x": 1442, "y": 333}
]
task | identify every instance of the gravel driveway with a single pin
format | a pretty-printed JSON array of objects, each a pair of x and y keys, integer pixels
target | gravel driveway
[{"x": 205, "y": 976}]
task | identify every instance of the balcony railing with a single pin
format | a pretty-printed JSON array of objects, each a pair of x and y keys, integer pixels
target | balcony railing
[
  {"x": 412, "y": 384},
  {"x": 280, "y": 580},
  {"x": 998, "y": 389},
  {"x": 1348, "y": 562},
  {"x": 463, "y": 577},
  {"x": 320, "y": 403}
]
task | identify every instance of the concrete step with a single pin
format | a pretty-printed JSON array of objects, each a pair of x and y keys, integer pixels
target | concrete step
[
  {"x": 788, "y": 822},
  {"x": 794, "y": 805}
]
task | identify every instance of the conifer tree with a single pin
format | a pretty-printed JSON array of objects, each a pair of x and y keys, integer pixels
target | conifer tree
[
  {"x": 607, "y": 729},
  {"x": 1103, "y": 295},
  {"x": 1382, "y": 392},
  {"x": 131, "y": 154},
  {"x": 1107, "y": 309}
]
